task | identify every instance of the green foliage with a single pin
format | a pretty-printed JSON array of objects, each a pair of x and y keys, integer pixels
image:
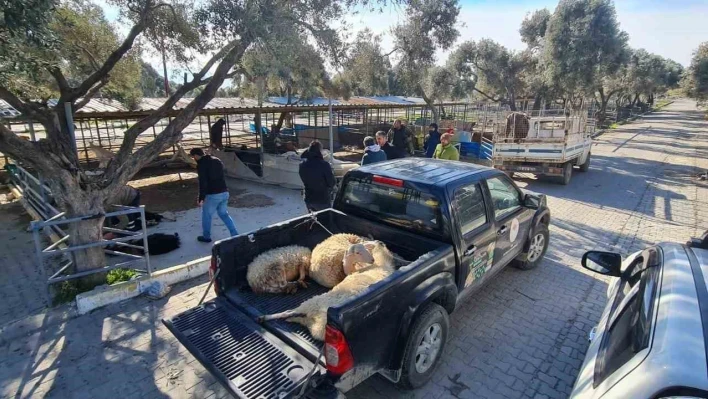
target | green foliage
[
  {"x": 583, "y": 44},
  {"x": 695, "y": 81},
  {"x": 533, "y": 28},
  {"x": 429, "y": 25},
  {"x": 366, "y": 68},
  {"x": 120, "y": 275},
  {"x": 497, "y": 72},
  {"x": 83, "y": 39}
]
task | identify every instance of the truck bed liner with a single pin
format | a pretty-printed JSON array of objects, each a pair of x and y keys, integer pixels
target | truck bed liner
[
  {"x": 249, "y": 360},
  {"x": 256, "y": 305}
]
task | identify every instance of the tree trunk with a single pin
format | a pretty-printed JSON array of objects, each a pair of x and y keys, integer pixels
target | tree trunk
[
  {"x": 433, "y": 108},
  {"x": 89, "y": 205},
  {"x": 537, "y": 103}
]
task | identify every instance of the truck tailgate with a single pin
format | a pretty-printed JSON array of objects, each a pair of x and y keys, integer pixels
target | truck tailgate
[{"x": 248, "y": 360}]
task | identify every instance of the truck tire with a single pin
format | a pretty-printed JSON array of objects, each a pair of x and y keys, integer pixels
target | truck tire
[
  {"x": 567, "y": 173},
  {"x": 425, "y": 346},
  {"x": 537, "y": 246},
  {"x": 586, "y": 165}
]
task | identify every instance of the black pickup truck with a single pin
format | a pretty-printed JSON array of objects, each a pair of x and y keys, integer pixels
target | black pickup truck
[{"x": 457, "y": 224}]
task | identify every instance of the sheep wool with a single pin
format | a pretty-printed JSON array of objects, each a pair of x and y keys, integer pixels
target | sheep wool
[
  {"x": 326, "y": 266},
  {"x": 313, "y": 312},
  {"x": 275, "y": 271}
]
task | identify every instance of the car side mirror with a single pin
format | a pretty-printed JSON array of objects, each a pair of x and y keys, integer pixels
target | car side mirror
[
  {"x": 531, "y": 202},
  {"x": 605, "y": 263}
]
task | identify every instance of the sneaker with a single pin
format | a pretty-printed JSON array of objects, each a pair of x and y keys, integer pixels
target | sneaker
[{"x": 203, "y": 239}]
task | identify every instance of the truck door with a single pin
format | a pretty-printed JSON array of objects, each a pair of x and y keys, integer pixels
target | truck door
[
  {"x": 476, "y": 232},
  {"x": 511, "y": 220}
]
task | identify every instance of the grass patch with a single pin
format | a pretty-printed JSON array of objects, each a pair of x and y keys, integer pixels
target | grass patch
[
  {"x": 66, "y": 291},
  {"x": 120, "y": 275},
  {"x": 613, "y": 126}
]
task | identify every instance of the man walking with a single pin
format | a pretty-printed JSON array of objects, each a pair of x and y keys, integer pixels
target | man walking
[
  {"x": 213, "y": 193},
  {"x": 317, "y": 177}
]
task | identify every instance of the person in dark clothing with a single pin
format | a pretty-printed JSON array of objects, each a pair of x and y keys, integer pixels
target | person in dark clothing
[
  {"x": 213, "y": 193},
  {"x": 372, "y": 152},
  {"x": 432, "y": 139},
  {"x": 388, "y": 149},
  {"x": 317, "y": 177},
  {"x": 216, "y": 134},
  {"x": 398, "y": 136}
]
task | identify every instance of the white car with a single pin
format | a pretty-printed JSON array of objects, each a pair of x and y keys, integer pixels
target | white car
[{"x": 652, "y": 339}]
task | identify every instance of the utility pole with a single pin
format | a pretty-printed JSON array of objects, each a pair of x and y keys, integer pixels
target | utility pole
[{"x": 164, "y": 69}]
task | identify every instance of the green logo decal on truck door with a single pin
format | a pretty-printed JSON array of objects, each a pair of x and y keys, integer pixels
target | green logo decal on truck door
[{"x": 481, "y": 262}]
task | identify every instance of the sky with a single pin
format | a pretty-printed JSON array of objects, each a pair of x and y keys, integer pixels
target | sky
[{"x": 670, "y": 28}]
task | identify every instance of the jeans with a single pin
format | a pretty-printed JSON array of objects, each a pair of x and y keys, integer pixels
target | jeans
[{"x": 216, "y": 203}]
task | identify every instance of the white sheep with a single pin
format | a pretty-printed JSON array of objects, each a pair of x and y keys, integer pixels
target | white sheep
[
  {"x": 313, "y": 312},
  {"x": 326, "y": 265},
  {"x": 279, "y": 270}
]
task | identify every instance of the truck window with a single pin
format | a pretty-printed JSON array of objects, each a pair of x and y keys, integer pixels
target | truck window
[
  {"x": 397, "y": 204},
  {"x": 469, "y": 206},
  {"x": 505, "y": 197}
]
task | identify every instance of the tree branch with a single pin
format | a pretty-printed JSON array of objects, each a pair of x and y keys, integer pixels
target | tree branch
[
  {"x": 17, "y": 148},
  {"x": 173, "y": 132},
  {"x": 28, "y": 109},
  {"x": 496, "y": 100},
  {"x": 91, "y": 94},
  {"x": 391, "y": 52},
  {"x": 102, "y": 72}
]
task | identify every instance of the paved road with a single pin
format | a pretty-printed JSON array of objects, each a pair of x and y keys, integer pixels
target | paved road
[{"x": 523, "y": 336}]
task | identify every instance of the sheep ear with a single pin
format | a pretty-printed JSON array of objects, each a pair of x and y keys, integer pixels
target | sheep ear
[{"x": 369, "y": 245}]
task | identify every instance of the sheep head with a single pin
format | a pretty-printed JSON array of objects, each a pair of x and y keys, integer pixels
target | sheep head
[{"x": 356, "y": 254}]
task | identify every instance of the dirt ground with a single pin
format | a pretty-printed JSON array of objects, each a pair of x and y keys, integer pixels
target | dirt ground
[{"x": 178, "y": 192}]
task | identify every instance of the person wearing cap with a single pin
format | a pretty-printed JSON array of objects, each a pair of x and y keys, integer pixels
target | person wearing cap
[
  {"x": 432, "y": 139},
  {"x": 317, "y": 177},
  {"x": 372, "y": 152},
  {"x": 213, "y": 193},
  {"x": 445, "y": 150}
]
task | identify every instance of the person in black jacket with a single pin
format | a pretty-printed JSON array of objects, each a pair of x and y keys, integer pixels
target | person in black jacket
[
  {"x": 213, "y": 193},
  {"x": 388, "y": 149},
  {"x": 216, "y": 134},
  {"x": 317, "y": 177}
]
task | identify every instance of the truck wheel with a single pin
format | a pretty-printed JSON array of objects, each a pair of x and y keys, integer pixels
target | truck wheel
[
  {"x": 586, "y": 166},
  {"x": 537, "y": 246},
  {"x": 567, "y": 173},
  {"x": 425, "y": 346}
]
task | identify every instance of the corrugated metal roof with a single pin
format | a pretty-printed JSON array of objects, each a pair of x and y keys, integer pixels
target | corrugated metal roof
[{"x": 106, "y": 106}]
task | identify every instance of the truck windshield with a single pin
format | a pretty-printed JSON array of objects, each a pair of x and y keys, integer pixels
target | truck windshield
[{"x": 390, "y": 201}]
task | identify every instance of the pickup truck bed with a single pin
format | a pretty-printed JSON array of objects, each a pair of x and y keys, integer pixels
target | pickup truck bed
[{"x": 264, "y": 361}]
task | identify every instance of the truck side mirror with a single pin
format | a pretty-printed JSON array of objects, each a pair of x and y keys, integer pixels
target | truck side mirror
[
  {"x": 605, "y": 263},
  {"x": 531, "y": 202}
]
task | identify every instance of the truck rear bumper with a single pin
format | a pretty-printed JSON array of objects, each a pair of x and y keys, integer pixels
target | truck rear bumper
[{"x": 548, "y": 170}]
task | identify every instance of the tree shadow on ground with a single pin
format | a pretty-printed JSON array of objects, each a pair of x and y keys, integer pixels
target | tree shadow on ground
[
  {"x": 522, "y": 324},
  {"x": 609, "y": 176},
  {"x": 119, "y": 351}
]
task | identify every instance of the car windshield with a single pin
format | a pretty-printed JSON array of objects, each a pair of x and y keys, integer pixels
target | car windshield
[{"x": 388, "y": 199}]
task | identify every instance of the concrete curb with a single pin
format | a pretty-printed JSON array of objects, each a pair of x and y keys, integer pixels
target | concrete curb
[{"x": 109, "y": 294}]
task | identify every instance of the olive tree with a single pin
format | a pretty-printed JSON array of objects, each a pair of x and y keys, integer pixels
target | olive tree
[
  {"x": 35, "y": 67},
  {"x": 582, "y": 45},
  {"x": 429, "y": 25},
  {"x": 695, "y": 81}
]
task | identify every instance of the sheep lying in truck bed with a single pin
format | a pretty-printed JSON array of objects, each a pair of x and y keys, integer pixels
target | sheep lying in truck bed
[
  {"x": 371, "y": 263},
  {"x": 279, "y": 270},
  {"x": 326, "y": 265}
]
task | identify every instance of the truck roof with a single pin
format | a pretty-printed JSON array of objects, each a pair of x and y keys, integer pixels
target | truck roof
[{"x": 423, "y": 170}]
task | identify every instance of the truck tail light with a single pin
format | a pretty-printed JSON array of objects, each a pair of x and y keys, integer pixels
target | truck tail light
[
  {"x": 212, "y": 271},
  {"x": 337, "y": 354},
  {"x": 387, "y": 181}
]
